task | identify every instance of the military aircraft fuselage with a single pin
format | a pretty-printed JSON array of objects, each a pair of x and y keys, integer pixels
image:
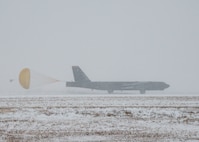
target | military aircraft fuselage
[
  {"x": 111, "y": 86},
  {"x": 82, "y": 81}
]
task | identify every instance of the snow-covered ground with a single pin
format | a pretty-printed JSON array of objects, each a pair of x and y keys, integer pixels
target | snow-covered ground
[{"x": 89, "y": 117}]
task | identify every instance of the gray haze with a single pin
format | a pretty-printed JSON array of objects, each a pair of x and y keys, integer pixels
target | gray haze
[{"x": 115, "y": 40}]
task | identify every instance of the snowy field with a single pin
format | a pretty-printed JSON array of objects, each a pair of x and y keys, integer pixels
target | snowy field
[{"x": 98, "y": 117}]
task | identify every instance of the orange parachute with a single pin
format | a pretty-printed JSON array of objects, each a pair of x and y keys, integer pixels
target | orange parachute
[
  {"x": 24, "y": 78},
  {"x": 30, "y": 79}
]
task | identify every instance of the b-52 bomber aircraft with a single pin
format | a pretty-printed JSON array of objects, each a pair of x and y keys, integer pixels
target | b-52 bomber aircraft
[{"x": 82, "y": 81}]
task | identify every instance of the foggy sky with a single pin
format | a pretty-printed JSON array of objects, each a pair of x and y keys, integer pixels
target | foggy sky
[{"x": 111, "y": 40}]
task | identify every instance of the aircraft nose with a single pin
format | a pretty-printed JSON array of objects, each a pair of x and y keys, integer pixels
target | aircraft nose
[{"x": 167, "y": 85}]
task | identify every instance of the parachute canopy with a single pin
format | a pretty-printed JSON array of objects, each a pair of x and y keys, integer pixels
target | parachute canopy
[
  {"x": 30, "y": 79},
  {"x": 24, "y": 78}
]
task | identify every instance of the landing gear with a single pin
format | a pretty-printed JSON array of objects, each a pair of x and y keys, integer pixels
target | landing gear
[
  {"x": 142, "y": 91},
  {"x": 110, "y": 91}
]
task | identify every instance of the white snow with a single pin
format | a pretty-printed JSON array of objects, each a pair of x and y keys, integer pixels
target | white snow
[{"x": 89, "y": 117}]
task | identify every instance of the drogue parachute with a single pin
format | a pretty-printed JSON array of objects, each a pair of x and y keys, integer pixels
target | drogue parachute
[
  {"x": 31, "y": 79},
  {"x": 24, "y": 78}
]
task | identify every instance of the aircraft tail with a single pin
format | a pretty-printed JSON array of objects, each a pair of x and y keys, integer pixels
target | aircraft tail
[{"x": 79, "y": 75}]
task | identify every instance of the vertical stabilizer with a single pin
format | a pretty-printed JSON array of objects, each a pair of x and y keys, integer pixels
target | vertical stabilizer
[{"x": 79, "y": 75}]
